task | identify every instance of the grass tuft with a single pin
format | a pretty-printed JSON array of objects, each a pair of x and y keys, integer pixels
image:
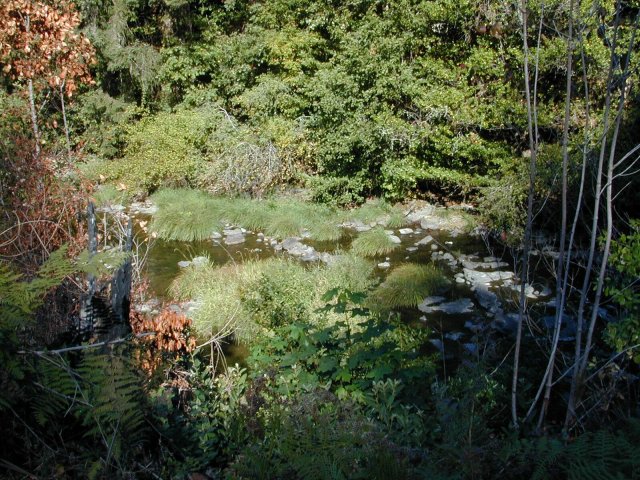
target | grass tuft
[
  {"x": 185, "y": 215},
  {"x": 397, "y": 219},
  {"x": 407, "y": 285},
  {"x": 243, "y": 298},
  {"x": 373, "y": 243}
]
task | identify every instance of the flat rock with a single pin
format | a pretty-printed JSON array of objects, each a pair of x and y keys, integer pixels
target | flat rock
[
  {"x": 429, "y": 301},
  {"x": 395, "y": 239},
  {"x": 405, "y": 231},
  {"x": 454, "y": 336},
  {"x": 384, "y": 265},
  {"x": 291, "y": 243},
  {"x": 431, "y": 223},
  {"x": 145, "y": 208},
  {"x": 476, "y": 277},
  {"x": 462, "y": 305},
  {"x": 505, "y": 322},
  {"x": 487, "y": 299},
  {"x": 234, "y": 239},
  {"x": 328, "y": 258},
  {"x": 233, "y": 231},
  {"x": 115, "y": 208},
  {"x": 417, "y": 215},
  {"x": 474, "y": 327},
  {"x": 184, "y": 263},
  {"x": 216, "y": 236},
  {"x": 310, "y": 256},
  {"x": 361, "y": 227},
  {"x": 412, "y": 249}
]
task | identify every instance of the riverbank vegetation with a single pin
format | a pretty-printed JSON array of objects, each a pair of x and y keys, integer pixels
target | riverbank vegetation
[{"x": 384, "y": 163}]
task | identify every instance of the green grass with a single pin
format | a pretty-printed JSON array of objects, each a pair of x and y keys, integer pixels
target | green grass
[
  {"x": 373, "y": 243},
  {"x": 106, "y": 195},
  {"x": 349, "y": 272},
  {"x": 191, "y": 215},
  {"x": 185, "y": 215},
  {"x": 397, "y": 219},
  {"x": 370, "y": 211},
  {"x": 261, "y": 294},
  {"x": 406, "y": 286}
]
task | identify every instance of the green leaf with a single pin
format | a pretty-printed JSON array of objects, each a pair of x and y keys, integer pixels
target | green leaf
[
  {"x": 342, "y": 375},
  {"x": 327, "y": 364},
  {"x": 380, "y": 372},
  {"x": 330, "y": 294}
]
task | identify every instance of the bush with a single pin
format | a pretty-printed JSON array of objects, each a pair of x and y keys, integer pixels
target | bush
[
  {"x": 164, "y": 150},
  {"x": 340, "y": 191}
]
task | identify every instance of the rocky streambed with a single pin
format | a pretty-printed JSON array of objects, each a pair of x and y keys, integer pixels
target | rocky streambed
[{"x": 483, "y": 291}]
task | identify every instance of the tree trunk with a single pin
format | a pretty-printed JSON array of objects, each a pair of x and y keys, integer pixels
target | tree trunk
[
  {"x": 560, "y": 285},
  {"x": 32, "y": 99},
  {"x": 64, "y": 119},
  {"x": 533, "y": 146}
]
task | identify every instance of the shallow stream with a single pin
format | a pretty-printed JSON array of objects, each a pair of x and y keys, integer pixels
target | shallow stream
[{"x": 482, "y": 296}]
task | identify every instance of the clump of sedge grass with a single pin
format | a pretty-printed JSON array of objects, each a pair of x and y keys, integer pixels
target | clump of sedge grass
[
  {"x": 396, "y": 219},
  {"x": 373, "y": 243},
  {"x": 371, "y": 211},
  {"x": 407, "y": 285},
  {"x": 184, "y": 215}
]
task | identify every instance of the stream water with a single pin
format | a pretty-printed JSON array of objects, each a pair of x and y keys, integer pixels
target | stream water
[{"x": 482, "y": 296}]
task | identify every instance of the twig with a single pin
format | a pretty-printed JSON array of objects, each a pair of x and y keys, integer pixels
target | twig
[{"x": 85, "y": 347}]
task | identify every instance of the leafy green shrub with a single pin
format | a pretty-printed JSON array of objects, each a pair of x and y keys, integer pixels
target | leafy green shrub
[
  {"x": 340, "y": 191},
  {"x": 318, "y": 437},
  {"x": 622, "y": 286},
  {"x": 281, "y": 294},
  {"x": 164, "y": 150},
  {"x": 407, "y": 285},
  {"x": 101, "y": 122},
  {"x": 209, "y": 431},
  {"x": 400, "y": 177},
  {"x": 502, "y": 208},
  {"x": 373, "y": 243},
  {"x": 349, "y": 354}
]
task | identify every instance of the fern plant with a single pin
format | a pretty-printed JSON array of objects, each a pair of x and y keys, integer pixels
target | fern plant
[{"x": 102, "y": 398}]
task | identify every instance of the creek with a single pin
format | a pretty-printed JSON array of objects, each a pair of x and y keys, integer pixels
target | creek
[{"x": 481, "y": 298}]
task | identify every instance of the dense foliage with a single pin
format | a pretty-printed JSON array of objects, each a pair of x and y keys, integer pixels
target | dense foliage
[{"x": 209, "y": 109}]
